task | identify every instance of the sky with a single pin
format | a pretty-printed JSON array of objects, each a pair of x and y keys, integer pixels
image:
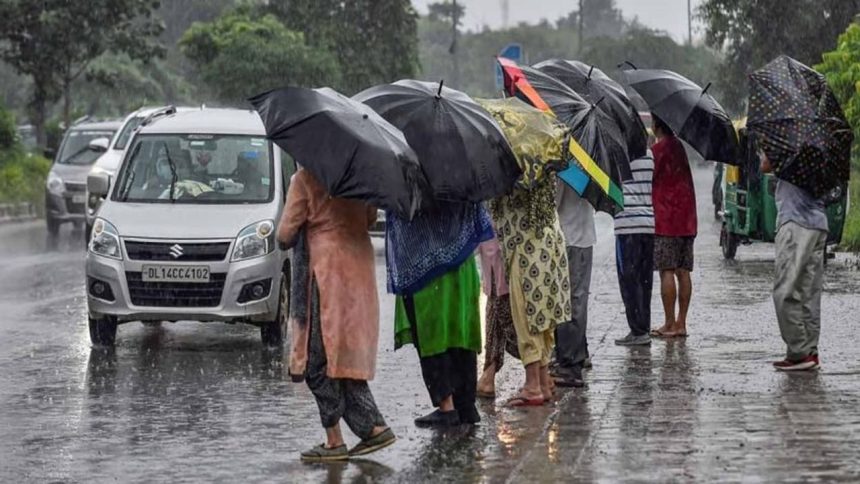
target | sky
[{"x": 668, "y": 15}]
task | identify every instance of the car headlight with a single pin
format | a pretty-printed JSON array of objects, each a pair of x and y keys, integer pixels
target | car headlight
[
  {"x": 55, "y": 184},
  {"x": 105, "y": 240},
  {"x": 255, "y": 240}
]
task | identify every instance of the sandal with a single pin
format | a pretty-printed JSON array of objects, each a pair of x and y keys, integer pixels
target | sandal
[
  {"x": 523, "y": 401},
  {"x": 372, "y": 444},
  {"x": 321, "y": 453}
]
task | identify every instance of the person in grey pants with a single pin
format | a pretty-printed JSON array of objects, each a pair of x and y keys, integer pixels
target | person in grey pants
[
  {"x": 571, "y": 346},
  {"x": 800, "y": 242}
]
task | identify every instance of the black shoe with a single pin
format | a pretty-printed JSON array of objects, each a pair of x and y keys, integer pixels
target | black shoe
[
  {"x": 469, "y": 415},
  {"x": 438, "y": 418},
  {"x": 570, "y": 376}
]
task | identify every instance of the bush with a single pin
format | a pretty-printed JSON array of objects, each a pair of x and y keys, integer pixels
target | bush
[
  {"x": 22, "y": 178},
  {"x": 851, "y": 232}
]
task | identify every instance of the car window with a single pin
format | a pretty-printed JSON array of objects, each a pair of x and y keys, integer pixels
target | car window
[
  {"x": 196, "y": 169},
  {"x": 75, "y": 148},
  {"x": 127, "y": 130}
]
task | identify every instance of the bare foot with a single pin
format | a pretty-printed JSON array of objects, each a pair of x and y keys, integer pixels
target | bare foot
[
  {"x": 667, "y": 327},
  {"x": 678, "y": 330},
  {"x": 487, "y": 383},
  {"x": 547, "y": 384}
]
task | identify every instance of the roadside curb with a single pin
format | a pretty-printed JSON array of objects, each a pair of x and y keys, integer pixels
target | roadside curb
[{"x": 17, "y": 212}]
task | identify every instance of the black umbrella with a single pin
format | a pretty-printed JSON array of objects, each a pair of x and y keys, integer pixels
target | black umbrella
[
  {"x": 594, "y": 131},
  {"x": 596, "y": 87},
  {"x": 462, "y": 150},
  {"x": 694, "y": 115},
  {"x": 800, "y": 126},
  {"x": 352, "y": 151}
]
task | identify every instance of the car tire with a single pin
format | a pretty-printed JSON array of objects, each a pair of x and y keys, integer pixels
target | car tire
[
  {"x": 88, "y": 233},
  {"x": 103, "y": 331},
  {"x": 729, "y": 243},
  {"x": 273, "y": 333}
]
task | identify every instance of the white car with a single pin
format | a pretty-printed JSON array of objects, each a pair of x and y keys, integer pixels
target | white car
[
  {"x": 108, "y": 162},
  {"x": 187, "y": 231}
]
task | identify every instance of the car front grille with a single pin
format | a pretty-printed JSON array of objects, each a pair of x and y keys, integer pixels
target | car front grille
[
  {"x": 76, "y": 187},
  {"x": 175, "y": 294},
  {"x": 171, "y": 251}
]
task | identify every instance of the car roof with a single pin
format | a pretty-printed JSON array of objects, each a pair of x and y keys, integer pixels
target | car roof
[
  {"x": 208, "y": 121},
  {"x": 111, "y": 125}
]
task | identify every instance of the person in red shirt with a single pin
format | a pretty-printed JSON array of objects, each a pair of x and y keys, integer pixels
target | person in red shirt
[{"x": 675, "y": 226}]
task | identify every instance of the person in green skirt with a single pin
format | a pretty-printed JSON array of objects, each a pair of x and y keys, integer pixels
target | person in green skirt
[{"x": 431, "y": 268}]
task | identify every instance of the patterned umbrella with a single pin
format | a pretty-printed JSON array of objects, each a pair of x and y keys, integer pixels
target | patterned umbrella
[
  {"x": 596, "y": 143},
  {"x": 800, "y": 126},
  {"x": 689, "y": 110},
  {"x": 538, "y": 141},
  {"x": 596, "y": 87}
]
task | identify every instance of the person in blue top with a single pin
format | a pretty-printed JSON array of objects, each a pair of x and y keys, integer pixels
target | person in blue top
[{"x": 800, "y": 241}]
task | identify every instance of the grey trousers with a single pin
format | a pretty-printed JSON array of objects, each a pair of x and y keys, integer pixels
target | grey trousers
[
  {"x": 797, "y": 288},
  {"x": 338, "y": 398},
  {"x": 571, "y": 346}
]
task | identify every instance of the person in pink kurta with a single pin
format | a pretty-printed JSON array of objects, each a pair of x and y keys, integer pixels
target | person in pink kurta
[{"x": 334, "y": 342}]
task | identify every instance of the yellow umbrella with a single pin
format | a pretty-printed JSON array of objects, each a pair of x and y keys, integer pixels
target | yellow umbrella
[{"x": 538, "y": 141}]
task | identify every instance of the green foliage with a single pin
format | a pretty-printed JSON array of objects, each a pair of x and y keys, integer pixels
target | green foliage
[
  {"x": 54, "y": 42},
  {"x": 374, "y": 41},
  {"x": 241, "y": 54},
  {"x": 851, "y": 230},
  {"x": 754, "y": 32},
  {"x": 22, "y": 175},
  {"x": 649, "y": 49},
  {"x": 842, "y": 69}
]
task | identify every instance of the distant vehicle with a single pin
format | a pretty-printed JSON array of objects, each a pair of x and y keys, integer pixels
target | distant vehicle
[
  {"x": 65, "y": 190},
  {"x": 187, "y": 231},
  {"x": 108, "y": 162}
]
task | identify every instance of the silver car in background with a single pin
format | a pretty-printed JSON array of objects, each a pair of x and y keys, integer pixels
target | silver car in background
[
  {"x": 187, "y": 230},
  {"x": 65, "y": 187}
]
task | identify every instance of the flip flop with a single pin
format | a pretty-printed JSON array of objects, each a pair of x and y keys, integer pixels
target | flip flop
[
  {"x": 656, "y": 333},
  {"x": 521, "y": 401},
  {"x": 487, "y": 395},
  {"x": 676, "y": 335}
]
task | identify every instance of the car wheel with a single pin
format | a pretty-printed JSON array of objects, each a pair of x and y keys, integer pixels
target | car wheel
[
  {"x": 103, "y": 331},
  {"x": 88, "y": 232},
  {"x": 729, "y": 243},
  {"x": 273, "y": 333}
]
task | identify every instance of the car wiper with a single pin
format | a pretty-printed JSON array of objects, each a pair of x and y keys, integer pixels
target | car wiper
[
  {"x": 129, "y": 170},
  {"x": 173, "y": 176},
  {"x": 67, "y": 160}
]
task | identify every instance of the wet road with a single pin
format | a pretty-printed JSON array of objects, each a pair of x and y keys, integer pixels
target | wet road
[{"x": 191, "y": 402}]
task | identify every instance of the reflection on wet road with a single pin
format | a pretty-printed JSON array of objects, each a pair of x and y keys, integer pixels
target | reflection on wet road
[{"x": 194, "y": 402}]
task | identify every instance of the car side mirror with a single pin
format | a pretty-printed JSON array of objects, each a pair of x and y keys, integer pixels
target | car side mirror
[
  {"x": 99, "y": 145},
  {"x": 98, "y": 184}
]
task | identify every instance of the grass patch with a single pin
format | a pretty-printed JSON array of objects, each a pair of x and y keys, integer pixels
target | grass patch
[
  {"x": 22, "y": 178},
  {"x": 851, "y": 232}
]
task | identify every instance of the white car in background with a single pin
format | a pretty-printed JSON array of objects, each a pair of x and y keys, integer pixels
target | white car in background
[{"x": 108, "y": 162}]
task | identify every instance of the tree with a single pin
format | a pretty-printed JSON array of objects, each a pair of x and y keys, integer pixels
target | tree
[
  {"x": 842, "y": 69},
  {"x": 375, "y": 41},
  {"x": 54, "y": 42},
  {"x": 600, "y": 18},
  {"x": 754, "y": 32},
  {"x": 243, "y": 53}
]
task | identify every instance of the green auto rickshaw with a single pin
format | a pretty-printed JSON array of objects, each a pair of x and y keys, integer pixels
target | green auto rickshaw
[{"x": 748, "y": 206}]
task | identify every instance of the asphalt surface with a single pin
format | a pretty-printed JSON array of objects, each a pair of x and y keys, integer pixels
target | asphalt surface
[{"x": 191, "y": 402}]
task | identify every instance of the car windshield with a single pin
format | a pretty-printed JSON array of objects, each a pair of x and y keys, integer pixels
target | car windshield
[
  {"x": 75, "y": 149},
  {"x": 126, "y": 132},
  {"x": 196, "y": 169}
]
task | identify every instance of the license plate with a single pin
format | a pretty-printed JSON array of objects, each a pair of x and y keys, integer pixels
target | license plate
[
  {"x": 79, "y": 198},
  {"x": 157, "y": 273}
]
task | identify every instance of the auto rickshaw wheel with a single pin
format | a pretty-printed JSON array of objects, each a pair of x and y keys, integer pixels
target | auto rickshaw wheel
[{"x": 729, "y": 243}]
